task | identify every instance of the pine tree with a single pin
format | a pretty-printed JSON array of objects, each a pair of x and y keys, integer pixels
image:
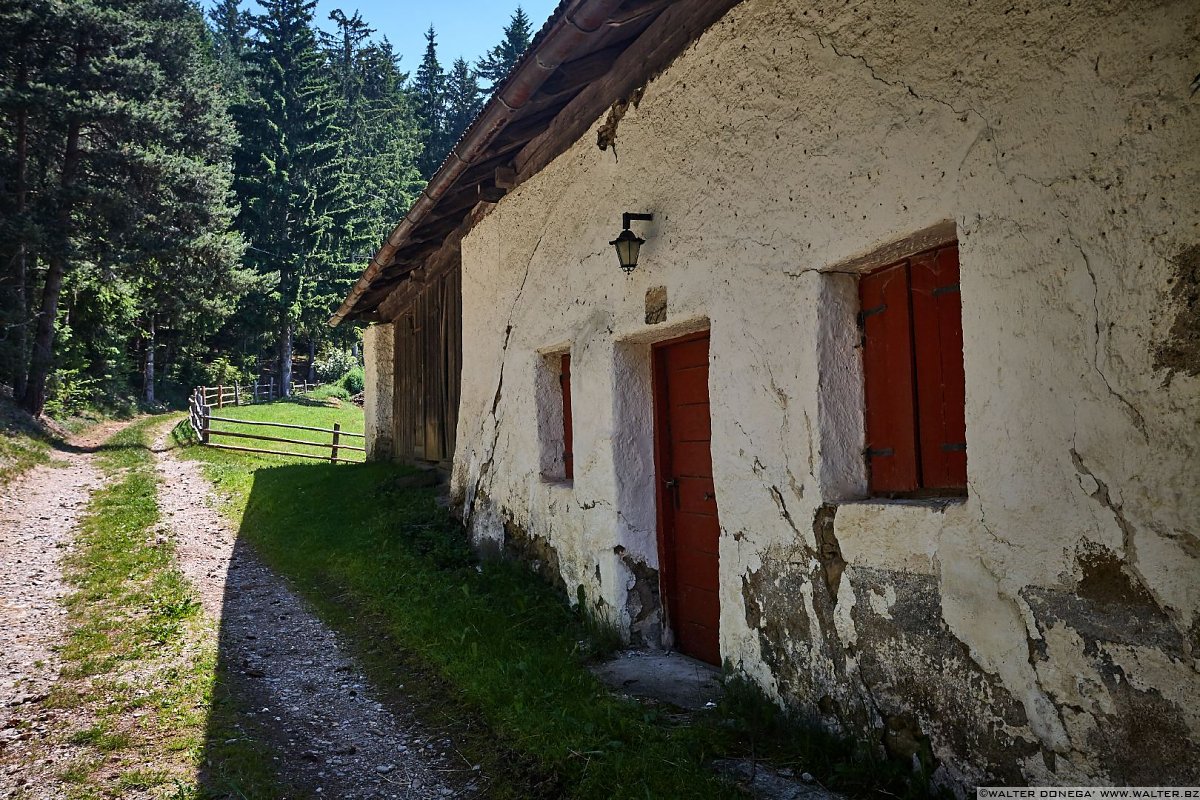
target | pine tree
[
  {"x": 291, "y": 178},
  {"x": 23, "y": 27},
  {"x": 84, "y": 35},
  {"x": 499, "y": 61},
  {"x": 429, "y": 95},
  {"x": 129, "y": 178},
  {"x": 462, "y": 100},
  {"x": 187, "y": 258}
]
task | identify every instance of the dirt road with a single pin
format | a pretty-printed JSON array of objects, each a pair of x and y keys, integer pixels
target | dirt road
[{"x": 297, "y": 692}]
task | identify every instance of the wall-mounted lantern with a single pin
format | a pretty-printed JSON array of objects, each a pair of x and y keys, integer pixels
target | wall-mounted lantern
[{"x": 628, "y": 243}]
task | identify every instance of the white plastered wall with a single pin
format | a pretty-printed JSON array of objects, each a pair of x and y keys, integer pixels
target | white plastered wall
[
  {"x": 1026, "y": 632},
  {"x": 378, "y": 387}
]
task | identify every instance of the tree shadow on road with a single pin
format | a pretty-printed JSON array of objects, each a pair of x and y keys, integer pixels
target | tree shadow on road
[{"x": 295, "y": 707}]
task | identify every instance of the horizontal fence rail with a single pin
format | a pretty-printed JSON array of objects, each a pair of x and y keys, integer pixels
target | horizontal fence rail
[
  {"x": 201, "y": 417},
  {"x": 244, "y": 394}
]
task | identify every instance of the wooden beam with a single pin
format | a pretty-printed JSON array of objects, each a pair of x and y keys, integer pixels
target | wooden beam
[
  {"x": 491, "y": 194},
  {"x": 636, "y": 9},
  {"x": 943, "y": 233},
  {"x": 437, "y": 229},
  {"x": 506, "y": 177},
  {"x": 416, "y": 252},
  {"x": 525, "y": 128},
  {"x": 575, "y": 75},
  {"x": 486, "y": 169}
]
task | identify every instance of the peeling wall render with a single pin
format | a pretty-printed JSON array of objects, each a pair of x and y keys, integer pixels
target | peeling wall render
[{"x": 1046, "y": 627}]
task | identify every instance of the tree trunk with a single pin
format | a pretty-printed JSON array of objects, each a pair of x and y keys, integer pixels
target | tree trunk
[
  {"x": 20, "y": 376},
  {"x": 148, "y": 377},
  {"x": 312, "y": 361},
  {"x": 285, "y": 359},
  {"x": 168, "y": 361},
  {"x": 22, "y": 267},
  {"x": 42, "y": 356}
]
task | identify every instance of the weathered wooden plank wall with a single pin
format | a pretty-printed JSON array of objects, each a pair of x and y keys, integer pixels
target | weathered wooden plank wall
[{"x": 428, "y": 356}]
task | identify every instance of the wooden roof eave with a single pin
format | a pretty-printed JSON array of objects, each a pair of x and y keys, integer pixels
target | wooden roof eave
[
  {"x": 545, "y": 105},
  {"x": 571, "y": 28}
]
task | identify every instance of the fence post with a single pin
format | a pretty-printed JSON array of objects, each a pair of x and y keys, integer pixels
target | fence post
[
  {"x": 204, "y": 423},
  {"x": 237, "y": 394},
  {"x": 337, "y": 428},
  {"x": 271, "y": 390}
]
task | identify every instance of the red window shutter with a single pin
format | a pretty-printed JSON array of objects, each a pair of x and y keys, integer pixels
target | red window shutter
[
  {"x": 568, "y": 444},
  {"x": 941, "y": 382},
  {"x": 888, "y": 376}
]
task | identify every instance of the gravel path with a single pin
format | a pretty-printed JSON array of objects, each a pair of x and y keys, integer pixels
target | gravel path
[
  {"x": 38, "y": 514},
  {"x": 288, "y": 668},
  {"x": 292, "y": 679}
]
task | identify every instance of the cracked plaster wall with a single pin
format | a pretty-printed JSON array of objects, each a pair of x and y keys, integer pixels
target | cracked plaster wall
[{"x": 1046, "y": 628}]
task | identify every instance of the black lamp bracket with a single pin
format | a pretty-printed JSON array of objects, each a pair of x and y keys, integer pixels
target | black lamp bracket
[{"x": 627, "y": 217}]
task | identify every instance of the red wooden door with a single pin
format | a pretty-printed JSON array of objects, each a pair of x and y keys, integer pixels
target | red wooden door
[
  {"x": 687, "y": 505},
  {"x": 568, "y": 425}
]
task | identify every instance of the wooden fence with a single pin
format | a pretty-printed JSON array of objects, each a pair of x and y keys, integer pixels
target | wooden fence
[
  {"x": 202, "y": 419},
  {"x": 239, "y": 395}
]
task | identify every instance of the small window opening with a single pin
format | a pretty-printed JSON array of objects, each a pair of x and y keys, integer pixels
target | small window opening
[
  {"x": 915, "y": 385},
  {"x": 555, "y": 428}
]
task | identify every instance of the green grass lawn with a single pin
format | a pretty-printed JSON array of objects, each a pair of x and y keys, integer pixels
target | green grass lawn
[
  {"x": 488, "y": 650},
  {"x": 306, "y": 411}
]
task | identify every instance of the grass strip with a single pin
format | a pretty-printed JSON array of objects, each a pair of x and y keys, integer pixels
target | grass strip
[{"x": 382, "y": 563}]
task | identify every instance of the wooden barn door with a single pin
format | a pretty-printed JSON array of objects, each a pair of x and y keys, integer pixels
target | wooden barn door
[{"x": 687, "y": 505}]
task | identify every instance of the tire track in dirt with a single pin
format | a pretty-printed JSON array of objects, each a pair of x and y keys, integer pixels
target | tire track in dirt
[{"x": 39, "y": 512}]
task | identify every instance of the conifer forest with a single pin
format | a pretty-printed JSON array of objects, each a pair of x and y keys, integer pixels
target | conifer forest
[{"x": 187, "y": 193}]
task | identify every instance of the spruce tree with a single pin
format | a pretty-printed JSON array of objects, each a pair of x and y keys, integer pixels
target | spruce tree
[
  {"x": 429, "y": 96},
  {"x": 291, "y": 178},
  {"x": 230, "y": 27},
  {"x": 390, "y": 151},
  {"x": 185, "y": 257},
  {"x": 462, "y": 100},
  {"x": 499, "y": 61}
]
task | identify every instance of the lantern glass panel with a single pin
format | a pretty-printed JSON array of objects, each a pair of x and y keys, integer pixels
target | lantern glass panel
[{"x": 628, "y": 246}]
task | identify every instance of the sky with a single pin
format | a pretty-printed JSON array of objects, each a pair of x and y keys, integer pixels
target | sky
[{"x": 467, "y": 28}]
